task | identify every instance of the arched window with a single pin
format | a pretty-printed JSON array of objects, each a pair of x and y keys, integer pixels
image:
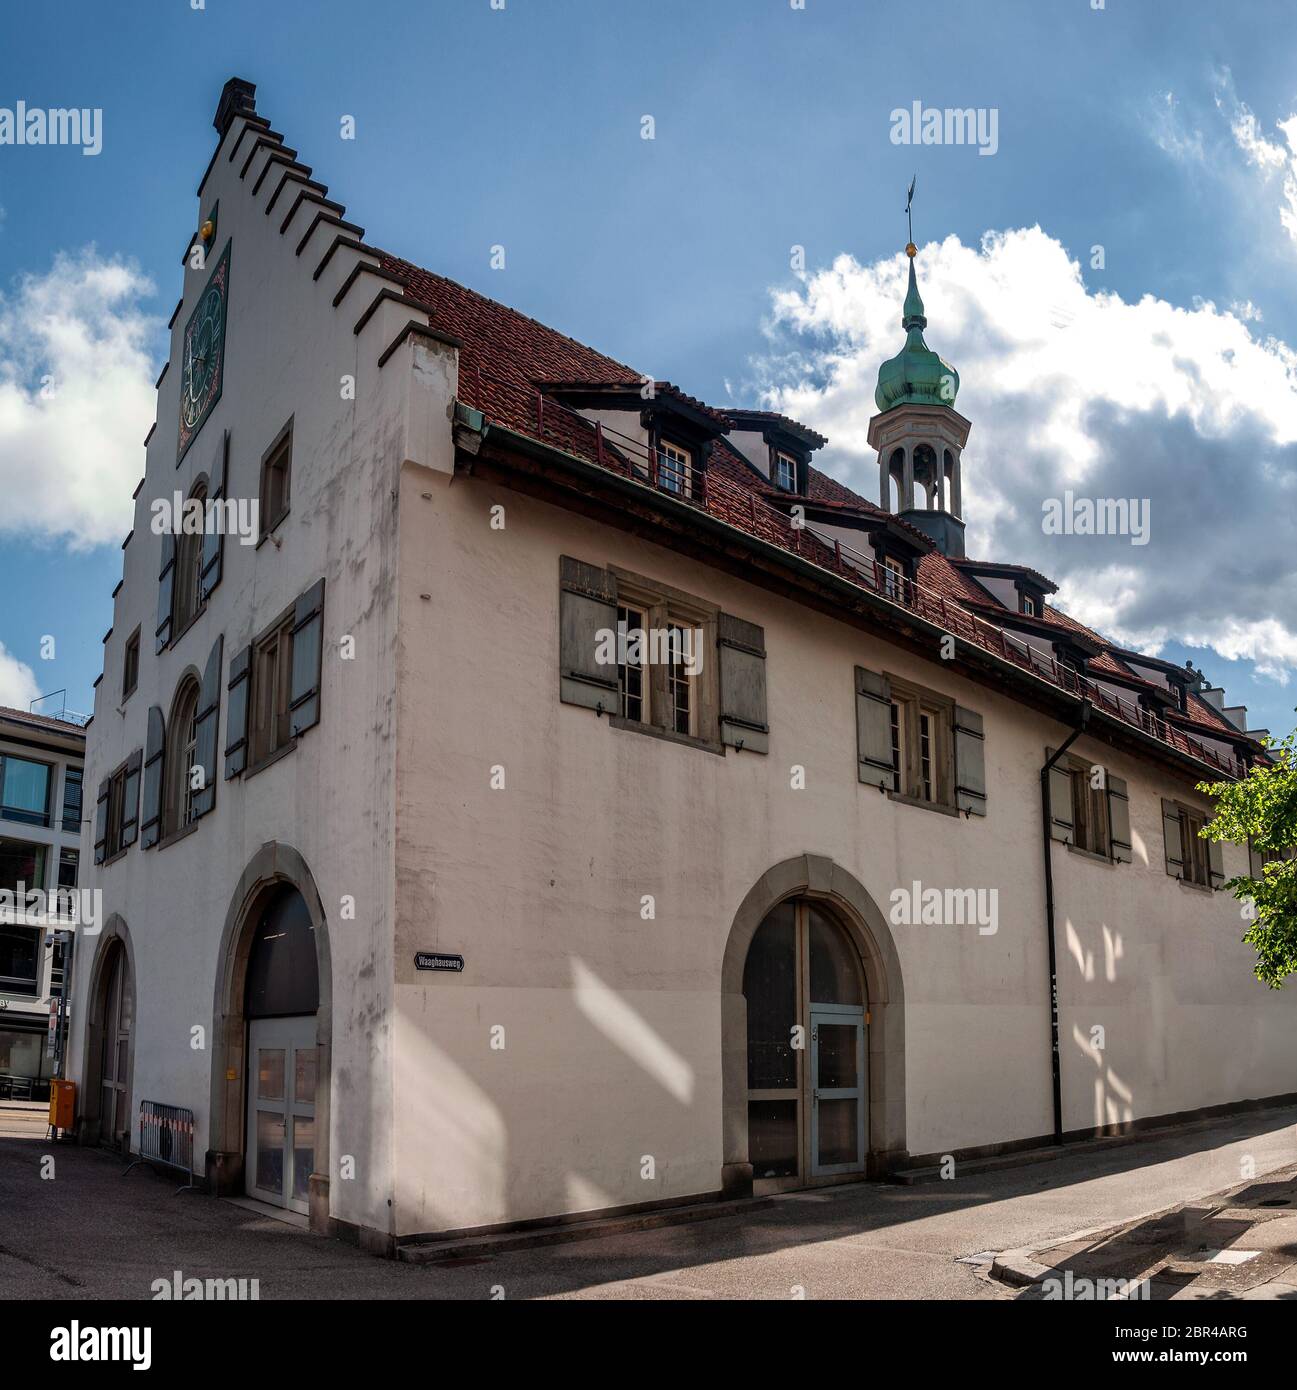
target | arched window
[
  {"x": 926, "y": 475},
  {"x": 177, "y": 809},
  {"x": 807, "y": 1083},
  {"x": 895, "y": 499},
  {"x": 187, "y": 593}
]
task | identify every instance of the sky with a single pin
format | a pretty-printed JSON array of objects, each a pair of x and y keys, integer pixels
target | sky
[{"x": 1112, "y": 274}]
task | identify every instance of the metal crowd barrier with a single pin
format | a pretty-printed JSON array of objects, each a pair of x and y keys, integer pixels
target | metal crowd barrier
[{"x": 167, "y": 1139}]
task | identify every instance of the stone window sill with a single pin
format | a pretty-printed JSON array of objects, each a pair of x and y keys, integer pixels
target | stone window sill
[
  {"x": 617, "y": 721},
  {"x": 903, "y": 799}
]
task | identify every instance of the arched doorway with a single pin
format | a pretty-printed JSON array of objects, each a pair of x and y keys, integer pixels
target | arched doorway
[
  {"x": 282, "y": 995},
  {"x": 813, "y": 1033},
  {"x": 107, "y": 1091},
  {"x": 115, "y": 1052},
  {"x": 808, "y": 1096},
  {"x": 274, "y": 993}
]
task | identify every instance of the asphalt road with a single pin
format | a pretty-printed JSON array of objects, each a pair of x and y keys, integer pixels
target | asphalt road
[{"x": 90, "y": 1232}]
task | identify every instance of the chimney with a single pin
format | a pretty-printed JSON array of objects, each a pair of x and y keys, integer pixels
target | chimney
[
  {"x": 1237, "y": 715},
  {"x": 1214, "y": 696},
  {"x": 238, "y": 98}
]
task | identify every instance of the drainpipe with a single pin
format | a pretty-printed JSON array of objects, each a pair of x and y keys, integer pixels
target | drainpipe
[{"x": 1083, "y": 718}]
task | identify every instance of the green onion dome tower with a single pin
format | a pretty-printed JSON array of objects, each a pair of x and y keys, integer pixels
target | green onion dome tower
[{"x": 918, "y": 433}]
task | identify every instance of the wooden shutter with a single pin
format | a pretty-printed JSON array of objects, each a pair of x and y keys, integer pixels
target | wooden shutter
[
  {"x": 742, "y": 650},
  {"x": 1171, "y": 839},
  {"x": 1119, "y": 820},
  {"x": 131, "y": 798},
  {"x": 1255, "y": 861},
  {"x": 206, "y": 724},
  {"x": 166, "y": 583},
  {"x": 587, "y": 606},
  {"x": 155, "y": 744},
  {"x": 874, "y": 730},
  {"x": 308, "y": 649},
  {"x": 101, "y": 820},
  {"x": 1215, "y": 863},
  {"x": 970, "y": 762},
  {"x": 236, "y": 713},
  {"x": 213, "y": 557},
  {"x": 1061, "y": 826}
]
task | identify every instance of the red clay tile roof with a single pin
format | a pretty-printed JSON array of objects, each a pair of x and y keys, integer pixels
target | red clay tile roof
[{"x": 507, "y": 360}]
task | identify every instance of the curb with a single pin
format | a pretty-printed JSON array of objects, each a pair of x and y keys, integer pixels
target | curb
[{"x": 434, "y": 1251}]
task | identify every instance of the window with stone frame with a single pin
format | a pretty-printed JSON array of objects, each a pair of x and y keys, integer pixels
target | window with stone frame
[
  {"x": 922, "y": 743},
  {"x": 666, "y": 658},
  {"x": 1193, "y": 848},
  {"x": 1090, "y": 830},
  {"x": 276, "y": 481},
  {"x": 269, "y": 715}
]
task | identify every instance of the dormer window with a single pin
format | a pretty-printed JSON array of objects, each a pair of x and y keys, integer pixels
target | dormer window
[
  {"x": 893, "y": 576},
  {"x": 786, "y": 472},
  {"x": 1029, "y": 606},
  {"x": 675, "y": 464}
]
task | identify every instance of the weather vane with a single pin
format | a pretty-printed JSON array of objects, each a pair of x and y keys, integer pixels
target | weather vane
[{"x": 910, "y": 250}]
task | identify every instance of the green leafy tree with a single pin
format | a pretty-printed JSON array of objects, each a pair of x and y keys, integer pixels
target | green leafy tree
[{"x": 1261, "y": 809}]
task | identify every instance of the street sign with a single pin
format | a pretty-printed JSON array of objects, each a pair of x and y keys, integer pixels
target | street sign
[{"x": 434, "y": 960}]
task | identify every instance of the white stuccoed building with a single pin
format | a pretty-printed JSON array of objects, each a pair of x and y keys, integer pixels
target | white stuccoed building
[{"x": 443, "y": 909}]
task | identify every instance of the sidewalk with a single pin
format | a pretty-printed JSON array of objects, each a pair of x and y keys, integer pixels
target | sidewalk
[{"x": 1240, "y": 1242}]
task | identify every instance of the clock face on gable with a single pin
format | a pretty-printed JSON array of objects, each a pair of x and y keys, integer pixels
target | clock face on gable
[{"x": 202, "y": 354}]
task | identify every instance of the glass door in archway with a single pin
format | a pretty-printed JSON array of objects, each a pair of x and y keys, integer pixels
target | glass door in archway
[
  {"x": 281, "y": 1110},
  {"x": 808, "y": 1052}
]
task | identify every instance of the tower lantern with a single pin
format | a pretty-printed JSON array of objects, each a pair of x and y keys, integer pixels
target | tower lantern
[{"x": 918, "y": 433}]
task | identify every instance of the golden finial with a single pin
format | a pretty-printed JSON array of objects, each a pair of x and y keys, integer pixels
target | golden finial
[{"x": 911, "y": 250}]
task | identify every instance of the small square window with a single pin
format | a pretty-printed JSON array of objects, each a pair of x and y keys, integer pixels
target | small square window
[
  {"x": 131, "y": 665},
  {"x": 276, "y": 480}
]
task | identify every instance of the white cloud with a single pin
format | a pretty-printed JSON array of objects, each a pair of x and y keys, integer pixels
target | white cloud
[
  {"x": 76, "y": 399},
  {"x": 1068, "y": 388},
  {"x": 1169, "y": 132},
  {"x": 1269, "y": 156},
  {"x": 18, "y": 686}
]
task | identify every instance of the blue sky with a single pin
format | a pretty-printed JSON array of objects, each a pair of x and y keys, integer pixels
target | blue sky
[{"x": 1125, "y": 127}]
